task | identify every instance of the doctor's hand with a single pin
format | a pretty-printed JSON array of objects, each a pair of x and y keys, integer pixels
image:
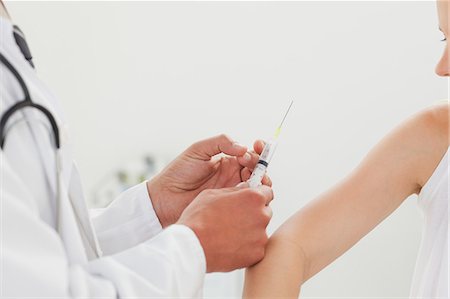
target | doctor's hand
[
  {"x": 230, "y": 224},
  {"x": 197, "y": 169}
]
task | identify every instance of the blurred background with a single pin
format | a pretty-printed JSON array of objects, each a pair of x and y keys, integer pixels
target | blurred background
[{"x": 141, "y": 81}]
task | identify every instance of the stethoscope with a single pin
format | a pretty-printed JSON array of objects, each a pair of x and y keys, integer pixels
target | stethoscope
[{"x": 27, "y": 102}]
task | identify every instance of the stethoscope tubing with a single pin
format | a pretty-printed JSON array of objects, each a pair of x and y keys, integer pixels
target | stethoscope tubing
[
  {"x": 25, "y": 103},
  {"x": 28, "y": 103}
]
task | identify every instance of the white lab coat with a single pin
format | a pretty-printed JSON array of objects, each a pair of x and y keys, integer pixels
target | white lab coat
[{"x": 140, "y": 260}]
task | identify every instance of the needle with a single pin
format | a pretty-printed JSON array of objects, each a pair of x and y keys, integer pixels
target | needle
[
  {"x": 265, "y": 157},
  {"x": 277, "y": 132}
]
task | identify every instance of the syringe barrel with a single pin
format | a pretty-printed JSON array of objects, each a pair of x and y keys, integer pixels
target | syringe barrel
[
  {"x": 268, "y": 151},
  {"x": 257, "y": 175},
  {"x": 260, "y": 168}
]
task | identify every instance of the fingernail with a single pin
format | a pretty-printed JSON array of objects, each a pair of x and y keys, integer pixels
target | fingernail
[
  {"x": 242, "y": 185},
  {"x": 247, "y": 157},
  {"x": 237, "y": 145}
]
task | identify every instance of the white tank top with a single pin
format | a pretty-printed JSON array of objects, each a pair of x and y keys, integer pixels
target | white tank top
[{"x": 431, "y": 273}]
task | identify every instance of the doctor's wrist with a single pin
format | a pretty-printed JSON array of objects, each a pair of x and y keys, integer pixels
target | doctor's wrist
[{"x": 155, "y": 193}]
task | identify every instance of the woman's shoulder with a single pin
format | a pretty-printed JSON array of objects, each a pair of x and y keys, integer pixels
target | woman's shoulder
[
  {"x": 437, "y": 118},
  {"x": 430, "y": 129}
]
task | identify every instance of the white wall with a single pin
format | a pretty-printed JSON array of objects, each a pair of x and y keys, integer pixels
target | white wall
[{"x": 139, "y": 77}]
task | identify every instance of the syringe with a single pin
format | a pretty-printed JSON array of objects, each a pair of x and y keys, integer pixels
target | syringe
[{"x": 266, "y": 155}]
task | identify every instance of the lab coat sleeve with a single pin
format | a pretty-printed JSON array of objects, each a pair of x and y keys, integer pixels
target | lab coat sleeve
[
  {"x": 128, "y": 221},
  {"x": 180, "y": 273},
  {"x": 34, "y": 263}
]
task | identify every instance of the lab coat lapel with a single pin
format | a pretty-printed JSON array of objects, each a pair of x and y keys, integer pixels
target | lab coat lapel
[
  {"x": 68, "y": 228},
  {"x": 65, "y": 217},
  {"x": 85, "y": 225},
  {"x": 74, "y": 213}
]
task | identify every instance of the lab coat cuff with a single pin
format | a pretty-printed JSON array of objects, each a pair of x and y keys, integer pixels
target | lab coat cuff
[
  {"x": 127, "y": 221},
  {"x": 196, "y": 248},
  {"x": 147, "y": 207}
]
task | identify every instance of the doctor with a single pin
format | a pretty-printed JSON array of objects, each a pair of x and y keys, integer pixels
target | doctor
[{"x": 157, "y": 239}]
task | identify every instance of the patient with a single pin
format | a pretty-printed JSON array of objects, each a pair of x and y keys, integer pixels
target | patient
[{"x": 412, "y": 159}]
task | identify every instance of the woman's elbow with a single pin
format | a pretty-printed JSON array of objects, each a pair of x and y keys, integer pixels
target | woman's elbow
[{"x": 280, "y": 274}]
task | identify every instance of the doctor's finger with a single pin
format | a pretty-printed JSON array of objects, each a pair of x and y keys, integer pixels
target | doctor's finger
[
  {"x": 249, "y": 160},
  {"x": 267, "y": 193},
  {"x": 246, "y": 173},
  {"x": 258, "y": 146},
  {"x": 205, "y": 149},
  {"x": 266, "y": 180},
  {"x": 269, "y": 213}
]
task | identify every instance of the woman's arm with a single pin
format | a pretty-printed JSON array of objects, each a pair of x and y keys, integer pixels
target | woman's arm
[{"x": 331, "y": 224}]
